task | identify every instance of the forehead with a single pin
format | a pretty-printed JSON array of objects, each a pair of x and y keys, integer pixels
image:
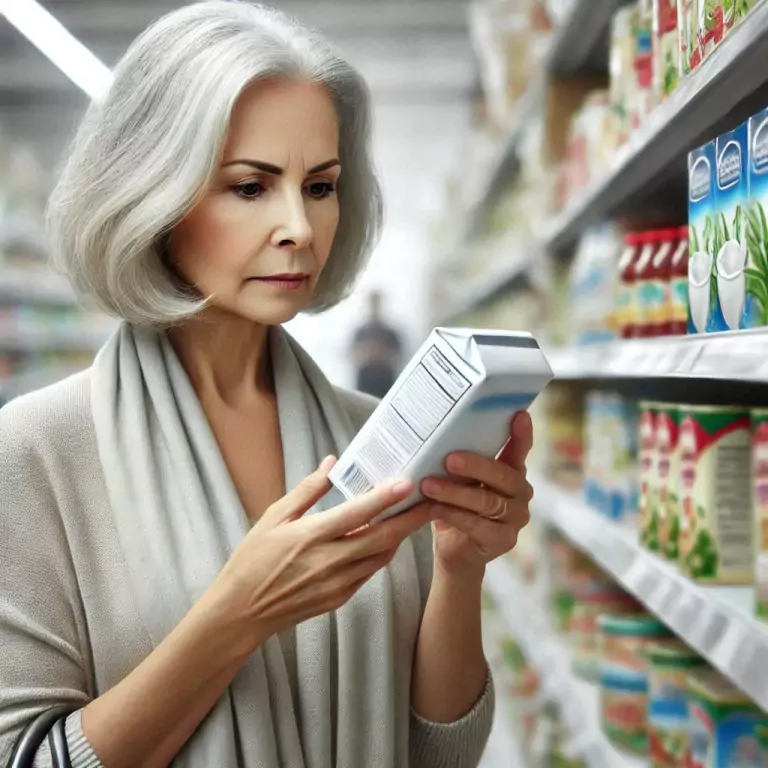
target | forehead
[{"x": 283, "y": 120}]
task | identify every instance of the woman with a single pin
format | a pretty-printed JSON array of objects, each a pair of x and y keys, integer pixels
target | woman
[{"x": 157, "y": 577}]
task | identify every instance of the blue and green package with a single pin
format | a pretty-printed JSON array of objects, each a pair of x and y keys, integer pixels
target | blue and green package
[
  {"x": 702, "y": 296},
  {"x": 756, "y": 301},
  {"x": 730, "y": 236}
]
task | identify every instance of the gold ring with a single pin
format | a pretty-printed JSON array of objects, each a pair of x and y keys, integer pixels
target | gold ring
[{"x": 496, "y": 516}]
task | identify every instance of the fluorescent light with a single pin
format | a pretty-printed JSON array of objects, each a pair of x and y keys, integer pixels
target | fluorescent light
[{"x": 55, "y": 42}]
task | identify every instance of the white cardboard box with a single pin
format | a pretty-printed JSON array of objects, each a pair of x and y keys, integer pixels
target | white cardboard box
[{"x": 458, "y": 393}]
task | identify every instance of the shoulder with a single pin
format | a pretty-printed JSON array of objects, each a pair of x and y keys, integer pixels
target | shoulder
[
  {"x": 358, "y": 405},
  {"x": 56, "y": 417}
]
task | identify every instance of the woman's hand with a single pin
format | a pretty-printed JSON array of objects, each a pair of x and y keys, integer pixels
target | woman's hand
[
  {"x": 290, "y": 568},
  {"x": 483, "y": 505}
]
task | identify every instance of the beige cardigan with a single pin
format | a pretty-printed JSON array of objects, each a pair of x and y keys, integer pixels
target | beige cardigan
[{"x": 69, "y": 628}]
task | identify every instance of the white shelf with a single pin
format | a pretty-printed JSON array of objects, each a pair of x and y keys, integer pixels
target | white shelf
[
  {"x": 34, "y": 337},
  {"x": 35, "y": 286},
  {"x": 578, "y": 700},
  {"x": 737, "y": 355},
  {"x": 692, "y": 114},
  {"x": 717, "y": 622}
]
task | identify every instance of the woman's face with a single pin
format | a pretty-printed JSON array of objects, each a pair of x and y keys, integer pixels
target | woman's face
[{"x": 260, "y": 236}]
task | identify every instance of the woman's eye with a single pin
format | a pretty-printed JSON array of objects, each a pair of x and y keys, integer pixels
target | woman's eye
[
  {"x": 250, "y": 190},
  {"x": 320, "y": 189}
]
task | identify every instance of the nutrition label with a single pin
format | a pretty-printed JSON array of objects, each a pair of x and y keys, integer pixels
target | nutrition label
[
  {"x": 733, "y": 502},
  {"x": 419, "y": 406}
]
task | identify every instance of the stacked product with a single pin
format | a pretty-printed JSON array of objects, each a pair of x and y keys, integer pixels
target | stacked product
[{"x": 728, "y": 263}]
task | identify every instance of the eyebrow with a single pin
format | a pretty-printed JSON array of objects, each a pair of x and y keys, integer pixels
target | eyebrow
[{"x": 276, "y": 170}]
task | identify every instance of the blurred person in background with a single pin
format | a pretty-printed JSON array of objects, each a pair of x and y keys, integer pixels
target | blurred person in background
[
  {"x": 376, "y": 351},
  {"x": 178, "y": 584}
]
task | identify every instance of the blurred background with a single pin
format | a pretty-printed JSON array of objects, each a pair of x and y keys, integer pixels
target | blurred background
[{"x": 587, "y": 170}]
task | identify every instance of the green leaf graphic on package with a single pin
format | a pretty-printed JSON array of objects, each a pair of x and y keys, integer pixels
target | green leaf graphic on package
[
  {"x": 703, "y": 559},
  {"x": 757, "y": 272}
]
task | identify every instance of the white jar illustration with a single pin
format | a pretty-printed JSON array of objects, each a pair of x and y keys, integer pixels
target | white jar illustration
[
  {"x": 699, "y": 276},
  {"x": 732, "y": 281}
]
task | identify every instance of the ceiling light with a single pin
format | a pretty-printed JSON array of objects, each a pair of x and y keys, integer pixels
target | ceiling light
[{"x": 55, "y": 42}]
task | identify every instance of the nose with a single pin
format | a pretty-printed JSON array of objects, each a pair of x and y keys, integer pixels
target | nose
[{"x": 293, "y": 229}]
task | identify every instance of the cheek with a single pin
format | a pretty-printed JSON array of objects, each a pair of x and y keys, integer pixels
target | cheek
[{"x": 324, "y": 222}]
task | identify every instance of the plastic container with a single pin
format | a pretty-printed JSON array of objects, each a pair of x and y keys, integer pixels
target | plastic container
[
  {"x": 723, "y": 723},
  {"x": 678, "y": 285},
  {"x": 669, "y": 664},
  {"x": 624, "y": 676}
]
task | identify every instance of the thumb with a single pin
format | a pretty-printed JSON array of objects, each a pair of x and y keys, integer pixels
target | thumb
[
  {"x": 517, "y": 448},
  {"x": 303, "y": 497}
]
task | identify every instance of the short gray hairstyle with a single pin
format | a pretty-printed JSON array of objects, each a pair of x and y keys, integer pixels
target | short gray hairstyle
[{"x": 145, "y": 152}]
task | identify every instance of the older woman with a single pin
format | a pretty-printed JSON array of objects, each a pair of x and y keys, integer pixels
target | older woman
[{"x": 175, "y": 571}]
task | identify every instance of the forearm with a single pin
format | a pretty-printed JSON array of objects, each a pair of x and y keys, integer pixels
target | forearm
[
  {"x": 146, "y": 719},
  {"x": 449, "y": 667}
]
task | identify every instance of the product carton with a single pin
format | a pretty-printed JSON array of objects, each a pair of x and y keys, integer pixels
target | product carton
[
  {"x": 688, "y": 35},
  {"x": 666, "y": 65},
  {"x": 458, "y": 393},
  {"x": 711, "y": 25},
  {"x": 702, "y": 293},
  {"x": 756, "y": 300},
  {"x": 730, "y": 246}
]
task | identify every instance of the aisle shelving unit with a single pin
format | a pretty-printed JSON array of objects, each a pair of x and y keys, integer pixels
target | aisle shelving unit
[
  {"x": 547, "y": 653},
  {"x": 718, "y": 622},
  {"x": 36, "y": 338},
  {"x": 692, "y": 114},
  {"x": 36, "y": 286},
  {"x": 738, "y": 355}
]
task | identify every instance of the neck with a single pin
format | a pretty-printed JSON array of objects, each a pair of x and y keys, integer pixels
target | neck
[{"x": 226, "y": 357}]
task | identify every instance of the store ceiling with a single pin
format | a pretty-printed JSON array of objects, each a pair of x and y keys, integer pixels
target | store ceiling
[{"x": 414, "y": 53}]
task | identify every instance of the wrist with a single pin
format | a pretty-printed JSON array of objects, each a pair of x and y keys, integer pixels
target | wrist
[{"x": 467, "y": 578}]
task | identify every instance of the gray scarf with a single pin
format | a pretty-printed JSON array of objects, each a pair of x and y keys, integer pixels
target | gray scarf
[{"x": 165, "y": 473}]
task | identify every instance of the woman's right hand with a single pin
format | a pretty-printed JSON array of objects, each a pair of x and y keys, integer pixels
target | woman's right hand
[{"x": 291, "y": 567}]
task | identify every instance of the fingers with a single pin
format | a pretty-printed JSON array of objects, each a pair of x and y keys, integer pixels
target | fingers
[
  {"x": 387, "y": 535},
  {"x": 490, "y": 538},
  {"x": 483, "y": 500},
  {"x": 520, "y": 442},
  {"x": 494, "y": 474},
  {"x": 359, "y": 511},
  {"x": 303, "y": 497}
]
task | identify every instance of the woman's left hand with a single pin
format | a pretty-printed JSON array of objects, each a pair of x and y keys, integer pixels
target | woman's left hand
[{"x": 482, "y": 506}]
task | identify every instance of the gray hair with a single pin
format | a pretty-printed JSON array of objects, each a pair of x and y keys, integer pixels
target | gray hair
[{"x": 145, "y": 153}]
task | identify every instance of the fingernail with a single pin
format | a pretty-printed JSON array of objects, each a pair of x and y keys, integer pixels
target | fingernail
[
  {"x": 402, "y": 486},
  {"x": 326, "y": 464},
  {"x": 456, "y": 462}
]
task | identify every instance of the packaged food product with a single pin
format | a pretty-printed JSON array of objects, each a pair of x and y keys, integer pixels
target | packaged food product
[
  {"x": 711, "y": 25},
  {"x": 624, "y": 639},
  {"x": 625, "y": 316},
  {"x": 759, "y": 418},
  {"x": 642, "y": 92},
  {"x": 585, "y": 639},
  {"x": 658, "y": 298},
  {"x": 723, "y": 723},
  {"x": 667, "y": 500},
  {"x": 678, "y": 285},
  {"x": 756, "y": 300},
  {"x": 702, "y": 292},
  {"x": 648, "y": 458},
  {"x": 668, "y": 716},
  {"x": 666, "y": 52},
  {"x": 622, "y": 74},
  {"x": 623, "y": 708},
  {"x": 688, "y": 35},
  {"x": 716, "y": 520},
  {"x": 730, "y": 247},
  {"x": 644, "y": 283}
]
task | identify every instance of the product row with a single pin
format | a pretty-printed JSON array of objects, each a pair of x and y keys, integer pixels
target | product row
[{"x": 658, "y": 697}]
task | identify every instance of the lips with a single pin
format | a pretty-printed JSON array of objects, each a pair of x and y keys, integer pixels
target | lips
[{"x": 283, "y": 282}]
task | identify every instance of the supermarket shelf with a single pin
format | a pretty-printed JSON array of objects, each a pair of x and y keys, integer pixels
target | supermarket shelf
[
  {"x": 28, "y": 382},
  {"x": 503, "y": 749},
  {"x": 578, "y": 700},
  {"x": 37, "y": 338},
  {"x": 733, "y": 356},
  {"x": 716, "y": 621},
  {"x": 35, "y": 286},
  {"x": 571, "y": 50},
  {"x": 704, "y": 98},
  {"x": 509, "y": 266}
]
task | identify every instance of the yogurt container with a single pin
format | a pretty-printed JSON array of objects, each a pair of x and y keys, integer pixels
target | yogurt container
[
  {"x": 723, "y": 723},
  {"x": 668, "y": 695},
  {"x": 716, "y": 517}
]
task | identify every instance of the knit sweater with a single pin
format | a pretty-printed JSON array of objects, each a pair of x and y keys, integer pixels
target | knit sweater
[{"x": 69, "y": 626}]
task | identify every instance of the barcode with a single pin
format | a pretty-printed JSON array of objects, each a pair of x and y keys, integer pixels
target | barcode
[{"x": 356, "y": 481}]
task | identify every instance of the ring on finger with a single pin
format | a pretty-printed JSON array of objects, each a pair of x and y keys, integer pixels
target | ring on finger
[{"x": 501, "y": 513}]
